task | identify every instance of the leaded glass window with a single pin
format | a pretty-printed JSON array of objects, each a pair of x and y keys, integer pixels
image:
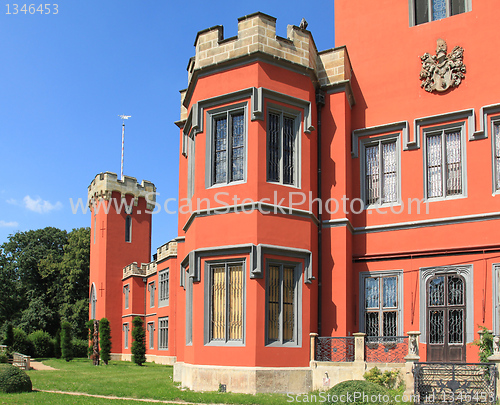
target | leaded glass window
[
  {"x": 228, "y": 148},
  {"x": 163, "y": 333},
  {"x": 163, "y": 287},
  {"x": 151, "y": 334},
  {"x": 444, "y": 164},
  {"x": 226, "y": 302},
  {"x": 381, "y": 172},
  {"x": 281, "y": 148},
  {"x": 126, "y": 292},
  {"x": 496, "y": 134},
  {"x": 381, "y": 305},
  {"x": 432, "y": 10},
  {"x": 151, "y": 288},
  {"x": 282, "y": 287}
]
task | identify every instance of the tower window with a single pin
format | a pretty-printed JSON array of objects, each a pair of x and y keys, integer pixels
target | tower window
[
  {"x": 432, "y": 10},
  {"x": 128, "y": 229}
]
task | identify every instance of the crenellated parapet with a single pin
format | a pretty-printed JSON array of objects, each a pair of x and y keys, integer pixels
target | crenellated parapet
[
  {"x": 257, "y": 34},
  {"x": 105, "y": 183},
  {"x": 133, "y": 270},
  {"x": 167, "y": 250}
]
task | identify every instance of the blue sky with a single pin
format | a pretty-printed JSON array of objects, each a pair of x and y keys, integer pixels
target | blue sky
[{"x": 64, "y": 79}]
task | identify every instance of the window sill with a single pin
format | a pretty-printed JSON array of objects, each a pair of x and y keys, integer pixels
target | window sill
[
  {"x": 226, "y": 344},
  {"x": 232, "y": 183}
]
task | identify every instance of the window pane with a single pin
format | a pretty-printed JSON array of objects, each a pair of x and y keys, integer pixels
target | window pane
[
  {"x": 371, "y": 293},
  {"x": 218, "y": 303},
  {"x": 436, "y": 327},
  {"x": 434, "y": 166},
  {"x": 436, "y": 291},
  {"x": 438, "y": 9},
  {"x": 421, "y": 11},
  {"x": 455, "y": 290},
  {"x": 273, "y": 304},
  {"x": 236, "y": 302},
  {"x": 128, "y": 229},
  {"x": 273, "y": 139},
  {"x": 496, "y": 130},
  {"x": 288, "y": 304},
  {"x": 372, "y": 174},
  {"x": 238, "y": 136},
  {"x": 389, "y": 323},
  {"x": 288, "y": 150},
  {"x": 457, "y": 7},
  {"x": 220, "y": 150},
  {"x": 455, "y": 325},
  {"x": 453, "y": 164},
  {"x": 390, "y": 287},
  {"x": 390, "y": 193},
  {"x": 371, "y": 324}
]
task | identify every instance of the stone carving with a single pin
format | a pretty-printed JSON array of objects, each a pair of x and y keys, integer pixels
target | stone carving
[
  {"x": 442, "y": 71},
  {"x": 496, "y": 345}
]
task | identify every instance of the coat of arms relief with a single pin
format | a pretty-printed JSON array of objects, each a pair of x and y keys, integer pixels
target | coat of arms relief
[{"x": 442, "y": 71}]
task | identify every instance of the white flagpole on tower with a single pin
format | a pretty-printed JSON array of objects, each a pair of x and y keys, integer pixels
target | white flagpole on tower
[{"x": 123, "y": 117}]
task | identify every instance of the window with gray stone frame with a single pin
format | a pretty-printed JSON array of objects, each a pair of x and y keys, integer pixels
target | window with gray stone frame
[
  {"x": 423, "y": 11},
  {"x": 283, "y": 303},
  {"x": 163, "y": 287},
  {"x": 125, "y": 335},
  {"x": 163, "y": 333},
  {"x": 283, "y": 130},
  {"x": 380, "y": 171},
  {"x": 496, "y": 154},
  {"x": 93, "y": 302},
  {"x": 126, "y": 292},
  {"x": 151, "y": 334},
  {"x": 444, "y": 156},
  {"x": 191, "y": 165},
  {"x": 151, "y": 289},
  {"x": 226, "y": 145},
  {"x": 128, "y": 229},
  {"x": 381, "y": 303}
]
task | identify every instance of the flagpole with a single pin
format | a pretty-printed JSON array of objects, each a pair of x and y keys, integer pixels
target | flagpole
[{"x": 123, "y": 117}]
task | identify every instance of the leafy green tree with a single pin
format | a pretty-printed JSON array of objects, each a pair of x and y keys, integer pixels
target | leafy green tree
[
  {"x": 90, "y": 327},
  {"x": 9, "y": 335},
  {"x": 57, "y": 344},
  {"x": 139, "y": 344},
  {"x": 104, "y": 340},
  {"x": 66, "y": 341}
]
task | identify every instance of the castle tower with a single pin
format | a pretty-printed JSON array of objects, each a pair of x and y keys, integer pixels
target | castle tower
[{"x": 120, "y": 234}]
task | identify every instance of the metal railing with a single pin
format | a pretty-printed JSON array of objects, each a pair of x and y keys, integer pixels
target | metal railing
[
  {"x": 386, "y": 349},
  {"x": 335, "y": 349}
]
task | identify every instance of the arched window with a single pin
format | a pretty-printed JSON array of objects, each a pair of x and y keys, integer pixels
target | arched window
[
  {"x": 128, "y": 229},
  {"x": 93, "y": 301}
]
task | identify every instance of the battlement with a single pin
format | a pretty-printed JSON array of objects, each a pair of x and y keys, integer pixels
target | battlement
[
  {"x": 145, "y": 270},
  {"x": 257, "y": 33},
  {"x": 167, "y": 250},
  {"x": 105, "y": 183}
]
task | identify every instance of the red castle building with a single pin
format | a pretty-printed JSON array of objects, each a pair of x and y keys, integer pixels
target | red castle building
[{"x": 354, "y": 189}]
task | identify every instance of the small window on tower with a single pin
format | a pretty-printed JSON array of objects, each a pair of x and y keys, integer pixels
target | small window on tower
[
  {"x": 128, "y": 229},
  {"x": 423, "y": 11}
]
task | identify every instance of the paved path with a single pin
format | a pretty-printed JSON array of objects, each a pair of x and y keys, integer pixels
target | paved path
[
  {"x": 38, "y": 365},
  {"x": 158, "y": 401}
]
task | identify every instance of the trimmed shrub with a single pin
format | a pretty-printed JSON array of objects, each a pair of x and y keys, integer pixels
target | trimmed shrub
[
  {"x": 21, "y": 343},
  {"x": 80, "y": 348},
  {"x": 12, "y": 379},
  {"x": 388, "y": 379},
  {"x": 360, "y": 392},
  {"x": 66, "y": 341},
  {"x": 4, "y": 358},
  {"x": 57, "y": 344},
  {"x": 42, "y": 344},
  {"x": 139, "y": 344},
  {"x": 104, "y": 340}
]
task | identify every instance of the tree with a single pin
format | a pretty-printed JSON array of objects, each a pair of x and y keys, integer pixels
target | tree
[
  {"x": 57, "y": 344},
  {"x": 104, "y": 340},
  {"x": 9, "y": 336},
  {"x": 139, "y": 344},
  {"x": 90, "y": 326},
  {"x": 66, "y": 341}
]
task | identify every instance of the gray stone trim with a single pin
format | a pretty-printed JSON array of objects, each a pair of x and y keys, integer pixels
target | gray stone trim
[
  {"x": 427, "y": 223},
  {"x": 495, "y": 279},
  {"x": 126, "y": 330},
  {"x": 164, "y": 302},
  {"x": 343, "y": 86},
  {"x": 401, "y": 126},
  {"x": 494, "y": 121},
  {"x": 153, "y": 314},
  {"x": 189, "y": 312},
  {"x": 467, "y": 272},
  {"x": 260, "y": 206},
  {"x": 334, "y": 223},
  {"x": 297, "y": 304},
  {"x": 383, "y": 273},
  {"x": 372, "y": 141},
  {"x": 208, "y": 302},
  {"x": 126, "y": 292},
  {"x": 264, "y": 249},
  {"x": 129, "y": 315}
]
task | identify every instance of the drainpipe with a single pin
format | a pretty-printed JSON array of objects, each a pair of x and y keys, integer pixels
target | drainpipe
[{"x": 320, "y": 102}]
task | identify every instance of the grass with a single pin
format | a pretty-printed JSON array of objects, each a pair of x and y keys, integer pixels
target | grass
[{"x": 123, "y": 379}]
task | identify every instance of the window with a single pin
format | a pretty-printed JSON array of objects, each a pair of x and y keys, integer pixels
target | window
[
  {"x": 95, "y": 226},
  {"x": 381, "y": 305},
  {"x": 496, "y": 155},
  {"x": 226, "y": 297},
  {"x": 151, "y": 289},
  {"x": 191, "y": 165},
  {"x": 125, "y": 335},
  {"x": 163, "y": 287},
  {"x": 163, "y": 333},
  {"x": 444, "y": 163},
  {"x": 93, "y": 301},
  {"x": 431, "y": 10},
  {"x": 126, "y": 291},
  {"x": 380, "y": 171},
  {"x": 227, "y": 148},
  {"x": 282, "y": 304},
  {"x": 151, "y": 333},
  {"x": 128, "y": 229},
  {"x": 282, "y": 145}
]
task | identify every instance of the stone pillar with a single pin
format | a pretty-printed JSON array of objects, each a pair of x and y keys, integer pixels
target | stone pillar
[
  {"x": 412, "y": 358},
  {"x": 495, "y": 358},
  {"x": 313, "y": 337},
  {"x": 359, "y": 346}
]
